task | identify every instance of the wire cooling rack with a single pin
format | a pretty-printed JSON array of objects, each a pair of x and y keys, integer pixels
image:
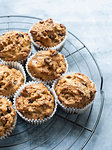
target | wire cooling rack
[{"x": 64, "y": 131}]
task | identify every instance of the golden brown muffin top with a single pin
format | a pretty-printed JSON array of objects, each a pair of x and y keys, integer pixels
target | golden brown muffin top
[
  {"x": 7, "y": 116},
  {"x": 35, "y": 102},
  {"x": 47, "y": 33},
  {"x": 47, "y": 65},
  {"x": 10, "y": 80},
  {"x": 14, "y": 46},
  {"x": 75, "y": 90}
]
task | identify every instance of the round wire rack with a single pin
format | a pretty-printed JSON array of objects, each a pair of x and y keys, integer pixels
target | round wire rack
[{"x": 64, "y": 131}]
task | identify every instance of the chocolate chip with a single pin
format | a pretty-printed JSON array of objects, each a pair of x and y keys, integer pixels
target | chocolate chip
[
  {"x": 84, "y": 84},
  {"x": 51, "y": 37},
  {"x": 1, "y": 114},
  {"x": 64, "y": 81},
  {"x": 5, "y": 122},
  {"x": 61, "y": 25},
  {"x": 46, "y": 116},
  {"x": 31, "y": 100},
  {"x": 68, "y": 77},
  {"x": 61, "y": 72},
  {"x": 41, "y": 22},
  {"x": 55, "y": 53},
  {"x": 61, "y": 34},
  {"x": 50, "y": 99},
  {"x": 17, "y": 42},
  {"x": 20, "y": 35},
  {"x": 81, "y": 93},
  {"x": 8, "y": 109}
]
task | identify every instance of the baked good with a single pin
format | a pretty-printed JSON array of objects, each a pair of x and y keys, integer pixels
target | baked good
[
  {"x": 47, "y": 33},
  {"x": 75, "y": 90},
  {"x": 35, "y": 102},
  {"x": 7, "y": 116},
  {"x": 10, "y": 80},
  {"x": 47, "y": 65},
  {"x": 14, "y": 46}
]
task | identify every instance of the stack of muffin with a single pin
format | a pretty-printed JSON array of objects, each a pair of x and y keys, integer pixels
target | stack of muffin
[{"x": 36, "y": 101}]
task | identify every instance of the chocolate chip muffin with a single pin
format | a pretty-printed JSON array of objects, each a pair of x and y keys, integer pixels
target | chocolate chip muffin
[
  {"x": 10, "y": 80},
  {"x": 75, "y": 90},
  {"x": 47, "y": 65},
  {"x": 7, "y": 116},
  {"x": 47, "y": 33},
  {"x": 14, "y": 46},
  {"x": 35, "y": 102}
]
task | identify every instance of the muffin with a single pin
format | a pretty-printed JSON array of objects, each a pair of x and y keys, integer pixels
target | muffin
[
  {"x": 48, "y": 34},
  {"x": 46, "y": 65},
  {"x": 7, "y": 117},
  {"x": 15, "y": 46},
  {"x": 10, "y": 80},
  {"x": 75, "y": 91},
  {"x": 35, "y": 102}
]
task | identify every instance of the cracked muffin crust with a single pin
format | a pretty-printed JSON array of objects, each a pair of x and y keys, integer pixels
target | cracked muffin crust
[
  {"x": 47, "y": 65},
  {"x": 10, "y": 80},
  {"x": 75, "y": 90},
  {"x": 35, "y": 102},
  {"x": 47, "y": 33},
  {"x": 14, "y": 46},
  {"x": 7, "y": 116}
]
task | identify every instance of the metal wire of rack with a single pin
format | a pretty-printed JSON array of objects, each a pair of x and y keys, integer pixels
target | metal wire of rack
[{"x": 63, "y": 131}]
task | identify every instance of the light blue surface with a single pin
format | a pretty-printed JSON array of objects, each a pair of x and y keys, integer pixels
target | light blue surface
[{"x": 91, "y": 21}]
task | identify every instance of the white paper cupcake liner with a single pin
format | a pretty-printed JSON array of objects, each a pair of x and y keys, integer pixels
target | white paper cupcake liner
[
  {"x": 17, "y": 66},
  {"x": 33, "y": 121},
  {"x": 8, "y": 133},
  {"x": 57, "y": 47},
  {"x": 70, "y": 109},
  {"x": 20, "y": 61},
  {"x": 49, "y": 82}
]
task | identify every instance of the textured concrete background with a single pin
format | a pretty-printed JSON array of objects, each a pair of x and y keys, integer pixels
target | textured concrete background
[{"x": 91, "y": 21}]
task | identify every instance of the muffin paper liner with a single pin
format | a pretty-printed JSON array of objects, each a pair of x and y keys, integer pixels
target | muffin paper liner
[
  {"x": 20, "y": 61},
  {"x": 70, "y": 109},
  {"x": 33, "y": 121},
  {"x": 8, "y": 133},
  {"x": 17, "y": 66},
  {"x": 49, "y": 82},
  {"x": 58, "y": 47}
]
